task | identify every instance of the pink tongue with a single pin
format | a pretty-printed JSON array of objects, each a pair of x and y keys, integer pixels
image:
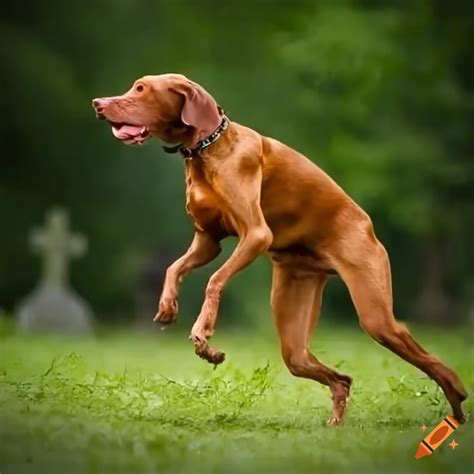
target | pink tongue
[{"x": 126, "y": 131}]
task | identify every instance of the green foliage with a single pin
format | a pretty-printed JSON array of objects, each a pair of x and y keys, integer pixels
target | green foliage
[
  {"x": 92, "y": 406},
  {"x": 139, "y": 398},
  {"x": 377, "y": 93},
  {"x": 381, "y": 95}
]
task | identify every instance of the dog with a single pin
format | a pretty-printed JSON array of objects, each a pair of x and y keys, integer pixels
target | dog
[{"x": 277, "y": 202}]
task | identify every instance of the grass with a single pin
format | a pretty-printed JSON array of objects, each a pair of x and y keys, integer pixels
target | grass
[{"x": 128, "y": 402}]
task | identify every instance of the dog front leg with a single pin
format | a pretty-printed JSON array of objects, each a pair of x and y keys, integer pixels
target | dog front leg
[
  {"x": 255, "y": 237},
  {"x": 202, "y": 250},
  {"x": 251, "y": 245}
]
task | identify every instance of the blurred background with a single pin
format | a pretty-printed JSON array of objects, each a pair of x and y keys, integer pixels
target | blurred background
[{"x": 378, "y": 93}]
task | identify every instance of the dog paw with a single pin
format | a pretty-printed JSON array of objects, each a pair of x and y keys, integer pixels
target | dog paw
[
  {"x": 202, "y": 349},
  {"x": 167, "y": 311},
  {"x": 340, "y": 396},
  {"x": 213, "y": 356},
  {"x": 334, "y": 421}
]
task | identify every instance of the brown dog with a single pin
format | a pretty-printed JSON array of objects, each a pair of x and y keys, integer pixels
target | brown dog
[{"x": 278, "y": 202}]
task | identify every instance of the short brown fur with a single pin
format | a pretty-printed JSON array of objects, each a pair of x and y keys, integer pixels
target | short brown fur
[{"x": 277, "y": 202}]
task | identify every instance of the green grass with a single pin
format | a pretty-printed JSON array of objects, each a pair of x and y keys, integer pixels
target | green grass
[{"x": 135, "y": 403}]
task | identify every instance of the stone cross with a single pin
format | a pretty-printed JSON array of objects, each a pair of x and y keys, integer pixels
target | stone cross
[
  {"x": 54, "y": 306},
  {"x": 56, "y": 245}
]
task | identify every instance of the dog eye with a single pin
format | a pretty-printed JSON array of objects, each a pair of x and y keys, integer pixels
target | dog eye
[{"x": 139, "y": 88}]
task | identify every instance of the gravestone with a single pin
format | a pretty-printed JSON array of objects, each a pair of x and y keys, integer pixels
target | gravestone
[{"x": 53, "y": 306}]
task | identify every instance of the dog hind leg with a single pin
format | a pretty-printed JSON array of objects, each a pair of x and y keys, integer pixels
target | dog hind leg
[{"x": 295, "y": 303}]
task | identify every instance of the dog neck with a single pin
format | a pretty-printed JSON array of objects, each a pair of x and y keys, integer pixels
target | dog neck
[{"x": 189, "y": 153}]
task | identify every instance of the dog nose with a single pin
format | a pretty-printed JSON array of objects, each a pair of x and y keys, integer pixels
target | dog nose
[{"x": 97, "y": 103}]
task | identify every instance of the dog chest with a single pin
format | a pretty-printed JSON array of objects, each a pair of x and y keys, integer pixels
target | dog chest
[{"x": 202, "y": 203}]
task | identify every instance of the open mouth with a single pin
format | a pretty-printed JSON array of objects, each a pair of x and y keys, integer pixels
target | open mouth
[{"x": 130, "y": 134}]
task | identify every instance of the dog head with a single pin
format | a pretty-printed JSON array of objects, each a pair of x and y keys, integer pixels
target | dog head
[{"x": 167, "y": 106}]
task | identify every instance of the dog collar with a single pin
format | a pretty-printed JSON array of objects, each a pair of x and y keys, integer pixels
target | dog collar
[{"x": 202, "y": 145}]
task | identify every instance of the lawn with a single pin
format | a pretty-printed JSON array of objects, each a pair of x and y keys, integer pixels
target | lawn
[{"x": 123, "y": 401}]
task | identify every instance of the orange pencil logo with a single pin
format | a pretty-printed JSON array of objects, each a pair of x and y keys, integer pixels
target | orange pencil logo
[{"x": 437, "y": 437}]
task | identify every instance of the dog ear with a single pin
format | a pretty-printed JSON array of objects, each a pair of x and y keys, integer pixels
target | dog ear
[{"x": 200, "y": 111}]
